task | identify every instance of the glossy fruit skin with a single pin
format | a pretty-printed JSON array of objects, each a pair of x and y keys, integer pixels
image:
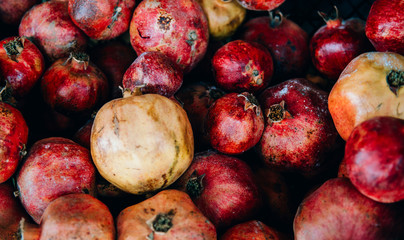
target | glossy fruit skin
[
  {"x": 21, "y": 68},
  {"x": 11, "y": 12},
  {"x": 83, "y": 135},
  {"x": 153, "y": 72},
  {"x": 374, "y": 155},
  {"x": 301, "y": 141},
  {"x": 226, "y": 191},
  {"x": 385, "y": 26},
  {"x": 287, "y": 42},
  {"x": 241, "y": 66},
  {"x": 336, "y": 210},
  {"x": 52, "y": 30},
  {"x": 13, "y": 138},
  {"x": 73, "y": 86},
  {"x": 234, "y": 123},
  {"x": 253, "y": 229},
  {"x": 179, "y": 29},
  {"x": 102, "y": 19},
  {"x": 185, "y": 221},
  {"x": 336, "y": 43},
  {"x": 54, "y": 166},
  {"x": 362, "y": 91},
  {"x": 260, "y": 5}
]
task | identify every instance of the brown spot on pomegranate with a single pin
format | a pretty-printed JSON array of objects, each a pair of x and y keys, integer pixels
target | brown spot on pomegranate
[{"x": 164, "y": 21}]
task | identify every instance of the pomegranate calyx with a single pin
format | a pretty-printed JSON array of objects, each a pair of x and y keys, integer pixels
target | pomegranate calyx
[
  {"x": 163, "y": 222},
  {"x": 250, "y": 102},
  {"x": 14, "y": 47},
  {"x": 6, "y": 94},
  {"x": 277, "y": 112},
  {"x": 395, "y": 80},
  {"x": 276, "y": 18},
  {"x": 136, "y": 91},
  {"x": 194, "y": 186},
  {"x": 214, "y": 93},
  {"x": 332, "y": 20}
]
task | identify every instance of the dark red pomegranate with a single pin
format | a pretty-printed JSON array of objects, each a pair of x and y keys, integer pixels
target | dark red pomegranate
[
  {"x": 102, "y": 19},
  {"x": 83, "y": 134},
  {"x": 385, "y": 26},
  {"x": 222, "y": 187},
  {"x": 11, "y": 12},
  {"x": 52, "y": 30},
  {"x": 13, "y": 138},
  {"x": 153, "y": 72},
  {"x": 21, "y": 64},
  {"x": 234, "y": 123},
  {"x": 287, "y": 42},
  {"x": 374, "y": 154},
  {"x": 74, "y": 85},
  {"x": 253, "y": 229},
  {"x": 335, "y": 44},
  {"x": 179, "y": 29},
  {"x": 54, "y": 167},
  {"x": 260, "y": 5},
  {"x": 242, "y": 66}
]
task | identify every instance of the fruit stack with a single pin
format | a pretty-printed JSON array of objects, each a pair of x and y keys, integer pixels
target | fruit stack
[{"x": 201, "y": 119}]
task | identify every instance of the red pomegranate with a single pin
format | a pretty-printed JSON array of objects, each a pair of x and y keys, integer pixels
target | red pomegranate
[
  {"x": 253, "y": 229},
  {"x": 260, "y": 5}
]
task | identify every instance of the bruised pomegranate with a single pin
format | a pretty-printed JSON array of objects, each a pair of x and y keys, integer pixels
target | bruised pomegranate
[
  {"x": 74, "y": 85},
  {"x": 72, "y": 216},
  {"x": 21, "y": 64},
  {"x": 13, "y": 138},
  {"x": 52, "y": 30},
  {"x": 260, "y": 5},
  {"x": 253, "y": 229},
  {"x": 242, "y": 66},
  {"x": 102, "y": 19},
  {"x": 11, "y": 12},
  {"x": 153, "y": 72},
  {"x": 178, "y": 29},
  {"x": 234, "y": 123},
  {"x": 54, "y": 167}
]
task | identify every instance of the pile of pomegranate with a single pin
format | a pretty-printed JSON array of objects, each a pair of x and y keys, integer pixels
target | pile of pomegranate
[{"x": 200, "y": 119}]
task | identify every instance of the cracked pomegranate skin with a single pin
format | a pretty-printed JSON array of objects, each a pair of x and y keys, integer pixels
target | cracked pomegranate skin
[
  {"x": 374, "y": 156},
  {"x": 179, "y": 29}
]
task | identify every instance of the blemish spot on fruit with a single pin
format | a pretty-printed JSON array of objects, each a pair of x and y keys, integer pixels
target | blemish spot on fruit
[
  {"x": 164, "y": 22},
  {"x": 116, "y": 14},
  {"x": 192, "y": 36},
  {"x": 140, "y": 34},
  {"x": 395, "y": 80}
]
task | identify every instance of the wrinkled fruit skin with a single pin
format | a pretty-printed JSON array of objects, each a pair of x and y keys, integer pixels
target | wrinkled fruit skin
[
  {"x": 102, "y": 19},
  {"x": 374, "y": 155},
  {"x": 363, "y": 90},
  {"x": 225, "y": 192},
  {"x": 13, "y": 137},
  {"x": 11, "y": 12},
  {"x": 234, "y": 123},
  {"x": 20, "y": 68},
  {"x": 54, "y": 167},
  {"x": 335, "y": 44},
  {"x": 52, "y": 30},
  {"x": 385, "y": 26},
  {"x": 289, "y": 49},
  {"x": 184, "y": 221},
  {"x": 179, "y": 29},
  {"x": 260, "y": 5},
  {"x": 253, "y": 229},
  {"x": 301, "y": 141},
  {"x": 336, "y": 210},
  {"x": 153, "y": 72},
  {"x": 242, "y": 66}
]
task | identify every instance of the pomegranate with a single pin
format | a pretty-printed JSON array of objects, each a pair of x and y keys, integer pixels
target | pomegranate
[
  {"x": 21, "y": 64},
  {"x": 222, "y": 187},
  {"x": 385, "y": 26},
  {"x": 54, "y": 167},
  {"x": 102, "y": 19},
  {"x": 286, "y": 40},
  {"x": 13, "y": 139},
  {"x": 373, "y": 153},
  {"x": 260, "y": 5},
  {"x": 74, "y": 85},
  {"x": 153, "y": 72},
  {"x": 72, "y": 216},
  {"x": 234, "y": 123},
  {"x": 11, "y": 12},
  {"x": 52, "y": 30},
  {"x": 83, "y": 134},
  {"x": 335, "y": 44},
  {"x": 242, "y": 66},
  {"x": 170, "y": 214},
  {"x": 253, "y": 229},
  {"x": 178, "y": 29}
]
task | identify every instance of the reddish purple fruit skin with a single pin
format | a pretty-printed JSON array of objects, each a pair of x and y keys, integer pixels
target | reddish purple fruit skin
[
  {"x": 54, "y": 167},
  {"x": 179, "y": 29},
  {"x": 260, "y": 5},
  {"x": 303, "y": 141},
  {"x": 252, "y": 229},
  {"x": 385, "y": 26},
  {"x": 335, "y": 44},
  {"x": 230, "y": 195},
  {"x": 102, "y": 19},
  {"x": 232, "y": 128},
  {"x": 11, "y": 12},
  {"x": 287, "y": 42},
  {"x": 374, "y": 155},
  {"x": 83, "y": 135},
  {"x": 336, "y": 210},
  {"x": 23, "y": 70},
  {"x": 52, "y": 29},
  {"x": 153, "y": 72},
  {"x": 241, "y": 66},
  {"x": 13, "y": 137}
]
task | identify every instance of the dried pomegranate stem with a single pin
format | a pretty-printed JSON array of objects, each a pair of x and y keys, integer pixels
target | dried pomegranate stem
[
  {"x": 395, "y": 80},
  {"x": 194, "y": 185},
  {"x": 14, "y": 48},
  {"x": 163, "y": 221}
]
